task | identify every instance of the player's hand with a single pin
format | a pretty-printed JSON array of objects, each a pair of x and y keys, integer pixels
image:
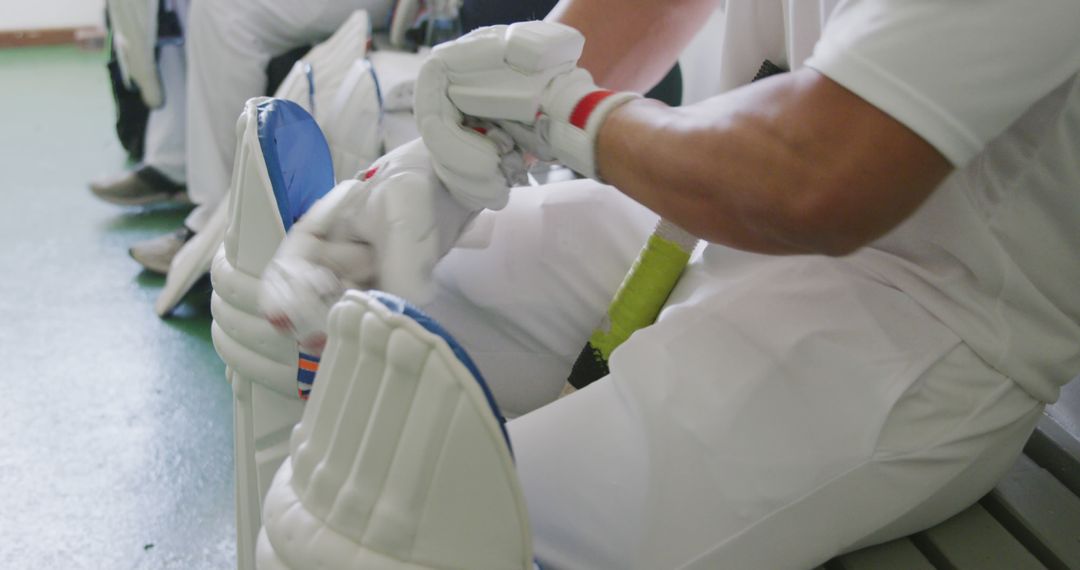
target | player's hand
[
  {"x": 525, "y": 78},
  {"x": 386, "y": 229},
  {"x": 477, "y": 161}
]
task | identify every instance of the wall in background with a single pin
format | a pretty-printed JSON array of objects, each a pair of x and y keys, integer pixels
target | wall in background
[{"x": 50, "y": 14}]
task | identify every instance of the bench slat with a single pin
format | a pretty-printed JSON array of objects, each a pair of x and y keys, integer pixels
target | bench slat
[
  {"x": 1043, "y": 514},
  {"x": 896, "y": 555},
  {"x": 974, "y": 540},
  {"x": 1056, "y": 450}
]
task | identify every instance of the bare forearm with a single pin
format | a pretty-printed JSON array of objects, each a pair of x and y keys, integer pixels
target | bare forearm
[
  {"x": 795, "y": 164},
  {"x": 632, "y": 43}
]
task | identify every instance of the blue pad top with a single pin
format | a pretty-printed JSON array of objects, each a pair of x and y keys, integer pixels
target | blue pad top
[
  {"x": 296, "y": 155},
  {"x": 402, "y": 307}
]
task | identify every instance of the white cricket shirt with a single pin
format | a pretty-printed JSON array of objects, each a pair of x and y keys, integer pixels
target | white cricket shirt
[{"x": 994, "y": 86}]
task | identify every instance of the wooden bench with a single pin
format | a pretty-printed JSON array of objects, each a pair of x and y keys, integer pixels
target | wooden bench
[{"x": 1030, "y": 520}]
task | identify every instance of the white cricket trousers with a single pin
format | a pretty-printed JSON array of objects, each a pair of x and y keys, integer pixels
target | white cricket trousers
[
  {"x": 781, "y": 411},
  {"x": 165, "y": 126},
  {"x": 229, "y": 43}
]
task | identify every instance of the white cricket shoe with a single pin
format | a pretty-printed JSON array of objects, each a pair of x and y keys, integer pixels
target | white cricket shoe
[{"x": 156, "y": 254}]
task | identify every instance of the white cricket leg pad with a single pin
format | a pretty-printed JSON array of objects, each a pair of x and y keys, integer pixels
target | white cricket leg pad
[
  {"x": 371, "y": 113},
  {"x": 396, "y": 72},
  {"x": 192, "y": 261},
  {"x": 400, "y": 460},
  {"x": 353, "y": 123},
  {"x": 399, "y": 128},
  {"x": 197, "y": 255},
  {"x": 261, "y": 364},
  {"x": 298, "y": 85},
  {"x": 134, "y": 24},
  {"x": 314, "y": 80},
  {"x": 335, "y": 83}
]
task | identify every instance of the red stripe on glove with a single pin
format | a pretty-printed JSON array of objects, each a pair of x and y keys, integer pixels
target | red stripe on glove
[{"x": 586, "y": 106}]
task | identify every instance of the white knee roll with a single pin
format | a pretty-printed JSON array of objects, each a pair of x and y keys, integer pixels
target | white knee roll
[{"x": 399, "y": 461}]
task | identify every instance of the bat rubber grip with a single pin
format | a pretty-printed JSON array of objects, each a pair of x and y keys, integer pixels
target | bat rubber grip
[{"x": 637, "y": 302}]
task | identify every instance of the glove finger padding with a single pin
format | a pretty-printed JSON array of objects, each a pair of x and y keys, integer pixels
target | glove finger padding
[
  {"x": 477, "y": 162},
  {"x": 523, "y": 77},
  {"x": 500, "y": 72}
]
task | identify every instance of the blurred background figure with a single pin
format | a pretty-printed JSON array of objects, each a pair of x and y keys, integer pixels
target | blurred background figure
[
  {"x": 229, "y": 46},
  {"x": 147, "y": 68}
]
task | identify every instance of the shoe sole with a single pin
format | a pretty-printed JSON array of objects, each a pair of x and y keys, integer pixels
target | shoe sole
[
  {"x": 148, "y": 200},
  {"x": 149, "y": 264}
]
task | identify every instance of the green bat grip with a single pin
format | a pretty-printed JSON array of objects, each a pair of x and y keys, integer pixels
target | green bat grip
[
  {"x": 643, "y": 293},
  {"x": 638, "y": 300}
]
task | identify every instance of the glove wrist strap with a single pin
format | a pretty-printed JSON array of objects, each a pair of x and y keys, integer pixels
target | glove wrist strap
[{"x": 574, "y": 142}]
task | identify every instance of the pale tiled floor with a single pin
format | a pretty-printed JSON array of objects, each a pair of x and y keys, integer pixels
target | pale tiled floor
[{"x": 116, "y": 441}]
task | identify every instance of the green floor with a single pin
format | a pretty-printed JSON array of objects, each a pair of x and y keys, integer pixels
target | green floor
[{"x": 116, "y": 445}]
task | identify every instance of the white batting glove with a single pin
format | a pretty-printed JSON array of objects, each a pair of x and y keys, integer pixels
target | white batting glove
[
  {"x": 469, "y": 155},
  {"x": 385, "y": 230},
  {"x": 525, "y": 78}
]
